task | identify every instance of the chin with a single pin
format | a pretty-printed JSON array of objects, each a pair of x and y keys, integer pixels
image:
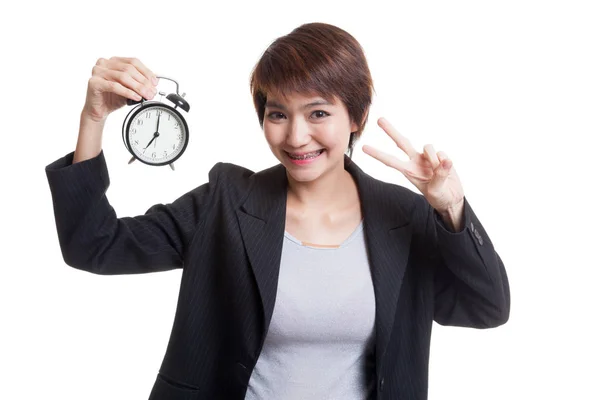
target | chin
[
  {"x": 303, "y": 176},
  {"x": 305, "y": 173}
]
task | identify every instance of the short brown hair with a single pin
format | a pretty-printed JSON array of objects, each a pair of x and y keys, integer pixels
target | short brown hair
[{"x": 316, "y": 58}]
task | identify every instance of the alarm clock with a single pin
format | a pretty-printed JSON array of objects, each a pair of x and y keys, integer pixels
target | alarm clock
[{"x": 155, "y": 132}]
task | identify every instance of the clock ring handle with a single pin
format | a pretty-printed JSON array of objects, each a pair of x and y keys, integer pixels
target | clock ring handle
[
  {"x": 170, "y": 79},
  {"x": 176, "y": 98}
]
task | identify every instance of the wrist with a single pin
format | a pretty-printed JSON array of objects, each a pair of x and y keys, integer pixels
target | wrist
[
  {"x": 89, "y": 141},
  {"x": 90, "y": 119},
  {"x": 453, "y": 216}
]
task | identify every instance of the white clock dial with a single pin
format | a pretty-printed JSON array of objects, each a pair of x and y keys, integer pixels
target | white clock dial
[{"x": 157, "y": 140}]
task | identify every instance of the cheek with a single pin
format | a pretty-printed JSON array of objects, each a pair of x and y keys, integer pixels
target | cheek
[
  {"x": 331, "y": 135},
  {"x": 273, "y": 140},
  {"x": 271, "y": 134},
  {"x": 334, "y": 136}
]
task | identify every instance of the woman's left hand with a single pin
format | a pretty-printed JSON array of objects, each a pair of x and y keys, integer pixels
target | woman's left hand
[{"x": 432, "y": 173}]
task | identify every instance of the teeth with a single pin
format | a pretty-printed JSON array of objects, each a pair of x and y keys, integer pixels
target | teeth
[{"x": 306, "y": 156}]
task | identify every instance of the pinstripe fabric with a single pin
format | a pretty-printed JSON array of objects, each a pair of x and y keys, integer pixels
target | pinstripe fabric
[{"x": 227, "y": 236}]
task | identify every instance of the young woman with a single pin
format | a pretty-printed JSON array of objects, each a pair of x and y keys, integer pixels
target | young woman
[{"x": 306, "y": 280}]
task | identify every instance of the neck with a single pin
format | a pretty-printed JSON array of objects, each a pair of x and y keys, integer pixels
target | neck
[{"x": 326, "y": 193}]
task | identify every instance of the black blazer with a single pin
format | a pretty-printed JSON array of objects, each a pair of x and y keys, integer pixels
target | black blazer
[{"x": 227, "y": 235}]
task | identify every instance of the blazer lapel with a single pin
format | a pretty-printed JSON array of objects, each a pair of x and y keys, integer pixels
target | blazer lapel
[
  {"x": 387, "y": 227},
  {"x": 388, "y": 232},
  {"x": 262, "y": 223}
]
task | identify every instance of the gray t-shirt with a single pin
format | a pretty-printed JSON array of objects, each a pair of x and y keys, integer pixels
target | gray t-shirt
[{"x": 320, "y": 343}]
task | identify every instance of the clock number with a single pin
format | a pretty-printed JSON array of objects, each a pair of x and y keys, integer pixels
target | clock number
[
  {"x": 133, "y": 131},
  {"x": 179, "y": 136},
  {"x": 173, "y": 147},
  {"x": 165, "y": 153},
  {"x": 153, "y": 155},
  {"x": 147, "y": 114},
  {"x": 158, "y": 112},
  {"x": 137, "y": 142},
  {"x": 140, "y": 121}
]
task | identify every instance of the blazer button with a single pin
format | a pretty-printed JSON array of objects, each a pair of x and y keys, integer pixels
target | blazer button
[
  {"x": 381, "y": 384},
  {"x": 472, "y": 227},
  {"x": 478, "y": 236}
]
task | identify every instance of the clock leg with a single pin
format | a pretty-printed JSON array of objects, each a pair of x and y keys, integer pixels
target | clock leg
[
  {"x": 172, "y": 165},
  {"x": 132, "y": 160}
]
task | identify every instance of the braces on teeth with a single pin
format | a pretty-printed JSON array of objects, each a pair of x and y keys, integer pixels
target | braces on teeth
[{"x": 306, "y": 156}]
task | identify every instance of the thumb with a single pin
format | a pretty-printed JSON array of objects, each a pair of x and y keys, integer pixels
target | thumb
[{"x": 440, "y": 174}]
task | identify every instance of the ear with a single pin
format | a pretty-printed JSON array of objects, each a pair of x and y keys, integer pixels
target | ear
[{"x": 354, "y": 125}]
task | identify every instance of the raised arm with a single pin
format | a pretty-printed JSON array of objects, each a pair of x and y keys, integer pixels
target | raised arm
[
  {"x": 93, "y": 239},
  {"x": 471, "y": 284}
]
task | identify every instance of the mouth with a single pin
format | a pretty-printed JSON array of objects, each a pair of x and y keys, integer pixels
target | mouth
[{"x": 306, "y": 156}]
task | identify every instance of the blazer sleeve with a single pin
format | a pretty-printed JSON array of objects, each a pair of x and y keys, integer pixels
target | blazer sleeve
[
  {"x": 93, "y": 239},
  {"x": 470, "y": 281}
]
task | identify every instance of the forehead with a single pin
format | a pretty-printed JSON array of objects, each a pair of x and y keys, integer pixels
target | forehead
[{"x": 298, "y": 100}]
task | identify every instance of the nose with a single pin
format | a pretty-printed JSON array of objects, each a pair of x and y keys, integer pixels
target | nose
[{"x": 299, "y": 133}]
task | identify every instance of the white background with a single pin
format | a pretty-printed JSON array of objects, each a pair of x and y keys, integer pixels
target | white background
[{"x": 509, "y": 90}]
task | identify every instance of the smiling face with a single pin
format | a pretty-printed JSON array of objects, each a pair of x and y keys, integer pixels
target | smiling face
[{"x": 300, "y": 124}]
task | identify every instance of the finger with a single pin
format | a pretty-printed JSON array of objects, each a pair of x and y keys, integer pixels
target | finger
[
  {"x": 137, "y": 69},
  {"x": 115, "y": 87},
  {"x": 429, "y": 152},
  {"x": 101, "y": 62},
  {"x": 444, "y": 159},
  {"x": 440, "y": 174},
  {"x": 401, "y": 141},
  {"x": 122, "y": 65},
  {"x": 125, "y": 79},
  {"x": 151, "y": 76},
  {"x": 126, "y": 74},
  {"x": 387, "y": 159}
]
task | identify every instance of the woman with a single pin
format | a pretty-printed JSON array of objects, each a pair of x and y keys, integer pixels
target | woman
[{"x": 306, "y": 280}]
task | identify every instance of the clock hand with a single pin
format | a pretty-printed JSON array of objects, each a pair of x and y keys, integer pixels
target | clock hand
[
  {"x": 157, "y": 122},
  {"x": 150, "y": 142}
]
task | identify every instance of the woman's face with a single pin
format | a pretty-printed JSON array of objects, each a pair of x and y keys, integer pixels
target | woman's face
[{"x": 302, "y": 124}]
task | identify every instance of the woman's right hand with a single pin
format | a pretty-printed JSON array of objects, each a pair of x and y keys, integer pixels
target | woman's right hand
[{"x": 114, "y": 81}]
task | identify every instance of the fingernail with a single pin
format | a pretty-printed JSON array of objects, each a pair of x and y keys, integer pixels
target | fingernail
[{"x": 155, "y": 80}]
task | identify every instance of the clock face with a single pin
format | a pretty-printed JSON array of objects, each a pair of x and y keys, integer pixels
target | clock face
[{"x": 157, "y": 135}]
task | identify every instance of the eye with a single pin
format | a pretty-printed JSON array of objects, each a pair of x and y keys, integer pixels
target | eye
[
  {"x": 324, "y": 113},
  {"x": 273, "y": 113},
  {"x": 321, "y": 111}
]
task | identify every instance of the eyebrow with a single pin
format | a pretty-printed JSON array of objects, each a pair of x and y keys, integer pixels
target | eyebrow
[{"x": 272, "y": 103}]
